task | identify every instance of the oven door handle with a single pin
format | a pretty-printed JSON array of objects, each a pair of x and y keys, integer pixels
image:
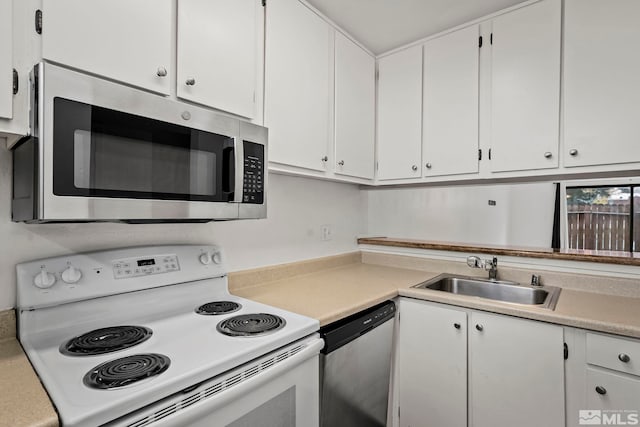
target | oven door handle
[{"x": 215, "y": 402}]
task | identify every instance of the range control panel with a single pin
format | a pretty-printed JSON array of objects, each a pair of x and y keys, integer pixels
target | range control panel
[
  {"x": 135, "y": 267},
  {"x": 253, "y": 184}
]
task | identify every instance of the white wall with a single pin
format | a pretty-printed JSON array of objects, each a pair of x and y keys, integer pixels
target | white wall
[
  {"x": 297, "y": 207},
  {"x": 522, "y": 216}
]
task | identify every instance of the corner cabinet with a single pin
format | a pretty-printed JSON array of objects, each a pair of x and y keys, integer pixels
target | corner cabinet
[
  {"x": 355, "y": 100},
  {"x": 400, "y": 114},
  {"x": 601, "y": 82},
  {"x": 525, "y": 88},
  {"x": 298, "y": 49},
  {"x": 118, "y": 39},
  {"x": 509, "y": 368},
  {"x": 217, "y": 54},
  {"x": 451, "y": 96}
]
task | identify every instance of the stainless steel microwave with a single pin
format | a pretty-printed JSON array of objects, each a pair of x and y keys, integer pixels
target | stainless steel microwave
[{"x": 102, "y": 151}]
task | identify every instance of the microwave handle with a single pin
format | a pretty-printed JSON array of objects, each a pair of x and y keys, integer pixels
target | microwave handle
[{"x": 233, "y": 169}]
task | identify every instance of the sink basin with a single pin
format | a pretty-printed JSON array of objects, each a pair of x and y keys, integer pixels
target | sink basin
[{"x": 510, "y": 292}]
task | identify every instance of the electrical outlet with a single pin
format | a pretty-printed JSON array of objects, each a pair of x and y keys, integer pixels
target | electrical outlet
[{"x": 326, "y": 233}]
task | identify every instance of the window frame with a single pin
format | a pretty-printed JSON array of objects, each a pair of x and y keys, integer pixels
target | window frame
[{"x": 600, "y": 182}]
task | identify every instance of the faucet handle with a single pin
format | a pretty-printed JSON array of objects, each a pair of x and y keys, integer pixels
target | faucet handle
[
  {"x": 491, "y": 264},
  {"x": 474, "y": 262},
  {"x": 535, "y": 280}
]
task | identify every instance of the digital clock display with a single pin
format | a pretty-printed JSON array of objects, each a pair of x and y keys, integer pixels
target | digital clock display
[{"x": 143, "y": 262}]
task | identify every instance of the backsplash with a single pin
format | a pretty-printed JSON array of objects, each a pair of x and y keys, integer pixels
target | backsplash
[
  {"x": 297, "y": 208},
  {"x": 506, "y": 214}
]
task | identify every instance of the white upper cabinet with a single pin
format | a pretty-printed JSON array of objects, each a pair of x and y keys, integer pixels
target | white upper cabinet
[
  {"x": 450, "y": 124},
  {"x": 601, "y": 82},
  {"x": 525, "y": 88},
  {"x": 6, "y": 64},
  {"x": 297, "y": 85},
  {"x": 124, "y": 40},
  {"x": 217, "y": 54},
  {"x": 355, "y": 99},
  {"x": 400, "y": 114}
]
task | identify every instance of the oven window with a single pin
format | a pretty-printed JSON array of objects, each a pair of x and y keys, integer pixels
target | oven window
[{"x": 105, "y": 153}]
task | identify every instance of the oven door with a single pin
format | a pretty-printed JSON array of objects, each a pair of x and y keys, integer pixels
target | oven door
[
  {"x": 277, "y": 390},
  {"x": 110, "y": 152}
]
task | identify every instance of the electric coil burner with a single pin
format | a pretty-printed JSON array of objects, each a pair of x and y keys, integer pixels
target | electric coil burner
[
  {"x": 106, "y": 340},
  {"x": 218, "y": 307},
  {"x": 126, "y": 371},
  {"x": 249, "y": 325}
]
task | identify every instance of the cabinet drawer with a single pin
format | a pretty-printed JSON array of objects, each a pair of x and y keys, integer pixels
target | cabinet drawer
[
  {"x": 614, "y": 353},
  {"x": 614, "y": 391}
]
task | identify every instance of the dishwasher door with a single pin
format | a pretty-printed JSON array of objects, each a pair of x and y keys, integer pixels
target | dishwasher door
[{"x": 355, "y": 370}]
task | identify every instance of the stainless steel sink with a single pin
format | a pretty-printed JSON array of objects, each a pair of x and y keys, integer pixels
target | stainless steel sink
[{"x": 511, "y": 292}]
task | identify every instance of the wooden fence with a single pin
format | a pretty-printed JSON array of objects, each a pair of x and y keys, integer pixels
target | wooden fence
[{"x": 601, "y": 227}]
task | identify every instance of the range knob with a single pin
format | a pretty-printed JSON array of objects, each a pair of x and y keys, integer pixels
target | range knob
[
  {"x": 205, "y": 258},
  {"x": 216, "y": 257},
  {"x": 71, "y": 275},
  {"x": 44, "y": 279}
]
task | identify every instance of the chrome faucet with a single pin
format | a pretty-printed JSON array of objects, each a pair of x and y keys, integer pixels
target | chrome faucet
[{"x": 491, "y": 265}]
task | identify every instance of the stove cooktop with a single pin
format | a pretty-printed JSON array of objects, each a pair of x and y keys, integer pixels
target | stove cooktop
[{"x": 113, "y": 342}]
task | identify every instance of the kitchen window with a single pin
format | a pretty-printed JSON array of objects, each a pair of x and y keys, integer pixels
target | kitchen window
[{"x": 602, "y": 216}]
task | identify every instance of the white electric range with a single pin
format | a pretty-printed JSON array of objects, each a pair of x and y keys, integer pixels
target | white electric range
[{"x": 151, "y": 336}]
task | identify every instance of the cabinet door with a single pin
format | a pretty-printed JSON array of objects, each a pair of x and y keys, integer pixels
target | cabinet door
[
  {"x": 525, "y": 88},
  {"x": 516, "y": 372},
  {"x": 450, "y": 126},
  {"x": 609, "y": 391},
  {"x": 400, "y": 114},
  {"x": 601, "y": 82},
  {"x": 432, "y": 351},
  {"x": 355, "y": 100},
  {"x": 297, "y": 72},
  {"x": 222, "y": 75},
  {"x": 6, "y": 63},
  {"x": 124, "y": 40}
]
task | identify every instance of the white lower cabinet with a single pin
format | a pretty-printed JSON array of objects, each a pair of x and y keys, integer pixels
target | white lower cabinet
[
  {"x": 516, "y": 372},
  {"x": 603, "y": 379},
  {"x": 512, "y": 370},
  {"x": 432, "y": 365},
  {"x": 609, "y": 391}
]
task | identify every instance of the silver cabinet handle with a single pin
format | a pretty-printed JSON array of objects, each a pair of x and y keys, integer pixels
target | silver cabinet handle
[
  {"x": 624, "y": 358},
  {"x": 325, "y": 158},
  {"x": 190, "y": 82},
  {"x": 573, "y": 152},
  {"x": 341, "y": 162},
  {"x": 162, "y": 72},
  {"x": 414, "y": 168},
  {"x": 479, "y": 327},
  {"x": 428, "y": 165},
  {"x": 601, "y": 390},
  {"x": 548, "y": 154}
]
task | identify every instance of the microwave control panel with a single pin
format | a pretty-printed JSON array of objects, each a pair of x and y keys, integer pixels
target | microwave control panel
[{"x": 253, "y": 186}]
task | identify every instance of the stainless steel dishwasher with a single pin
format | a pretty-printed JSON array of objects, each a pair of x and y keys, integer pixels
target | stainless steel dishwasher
[{"x": 355, "y": 367}]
